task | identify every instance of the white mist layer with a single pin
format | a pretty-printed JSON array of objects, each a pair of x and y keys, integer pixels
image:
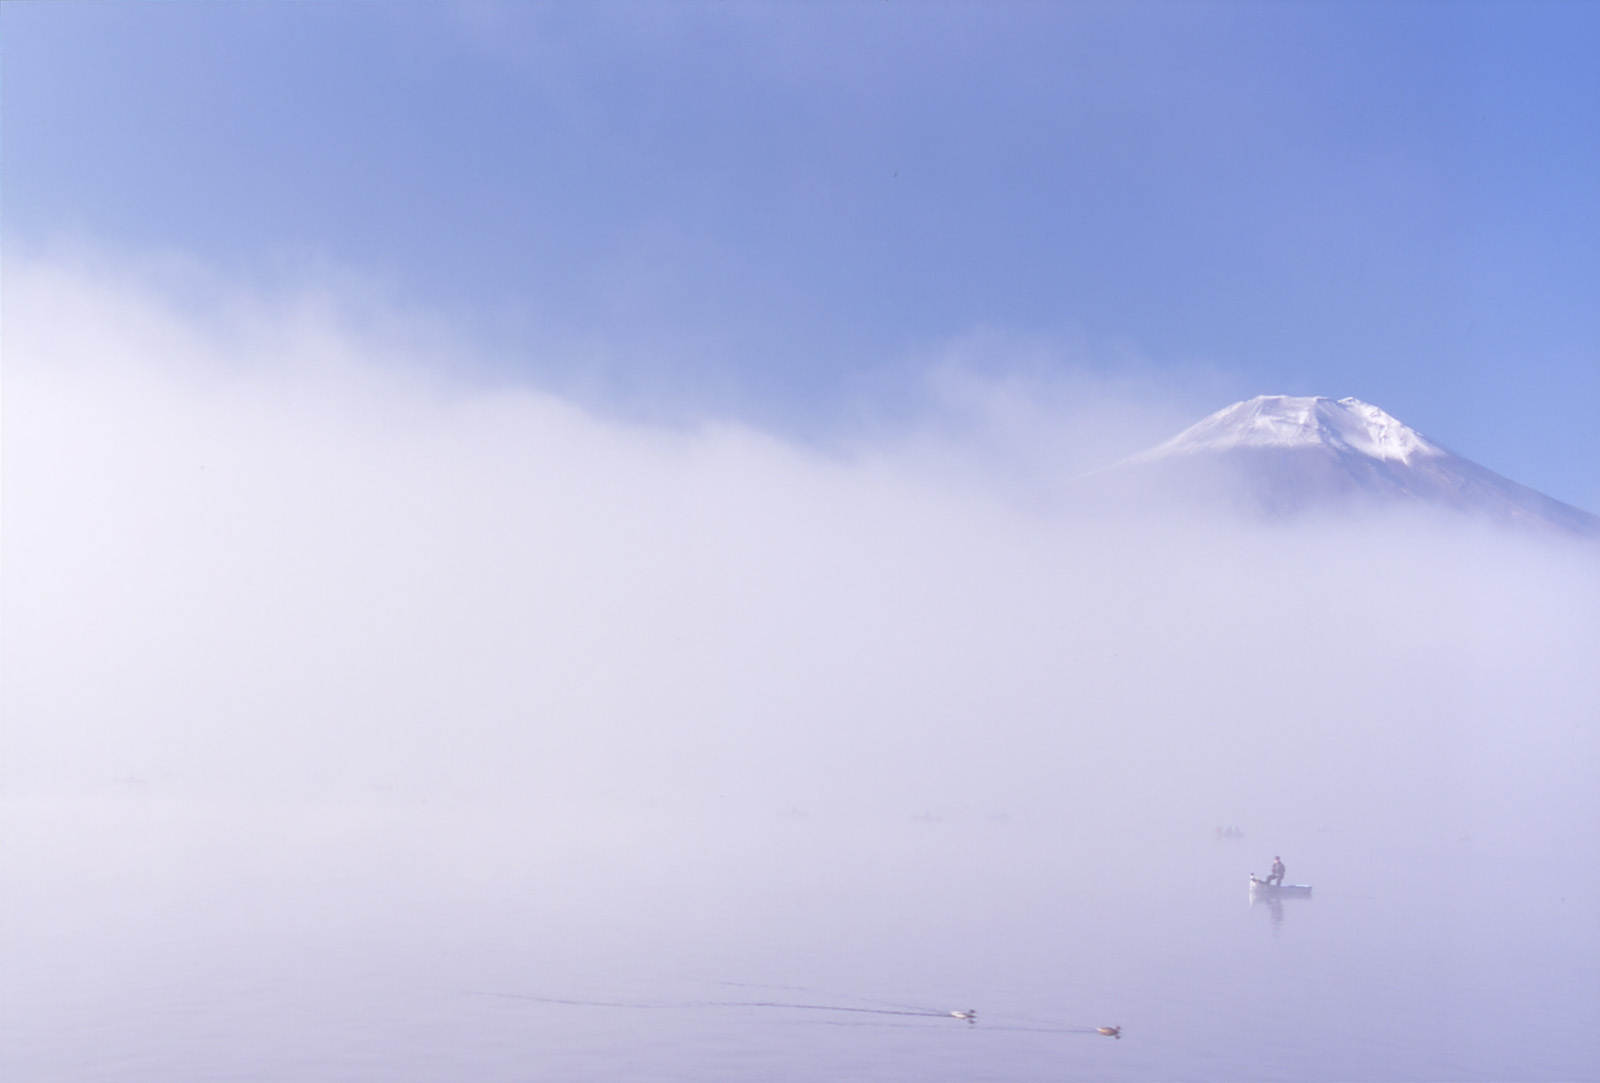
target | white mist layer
[
  {"x": 332, "y": 691},
  {"x": 305, "y": 576}
]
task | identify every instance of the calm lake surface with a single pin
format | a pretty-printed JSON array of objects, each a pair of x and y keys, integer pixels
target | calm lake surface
[{"x": 151, "y": 939}]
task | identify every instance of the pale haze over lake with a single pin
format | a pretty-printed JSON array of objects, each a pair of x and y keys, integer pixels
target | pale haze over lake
[{"x": 354, "y": 719}]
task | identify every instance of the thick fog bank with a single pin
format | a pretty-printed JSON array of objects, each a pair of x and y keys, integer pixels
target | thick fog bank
[{"x": 278, "y": 564}]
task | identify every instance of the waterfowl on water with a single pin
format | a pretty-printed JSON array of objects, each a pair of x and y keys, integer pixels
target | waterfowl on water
[{"x": 1110, "y": 1032}]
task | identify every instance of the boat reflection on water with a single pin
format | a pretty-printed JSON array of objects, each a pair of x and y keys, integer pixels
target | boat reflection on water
[{"x": 1272, "y": 896}]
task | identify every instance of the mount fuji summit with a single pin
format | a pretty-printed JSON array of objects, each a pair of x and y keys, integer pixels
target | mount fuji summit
[{"x": 1283, "y": 457}]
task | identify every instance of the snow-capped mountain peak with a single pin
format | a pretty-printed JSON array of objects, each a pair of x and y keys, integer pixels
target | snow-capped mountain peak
[
  {"x": 1290, "y": 421},
  {"x": 1285, "y": 456}
]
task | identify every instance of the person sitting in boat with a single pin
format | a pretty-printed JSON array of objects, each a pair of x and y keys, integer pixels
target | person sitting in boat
[{"x": 1276, "y": 875}]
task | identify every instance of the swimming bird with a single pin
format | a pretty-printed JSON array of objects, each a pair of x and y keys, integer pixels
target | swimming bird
[
  {"x": 970, "y": 1015},
  {"x": 1110, "y": 1032}
]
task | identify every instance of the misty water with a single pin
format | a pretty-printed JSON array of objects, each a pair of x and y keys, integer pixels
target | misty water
[
  {"x": 159, "y": 941},
  {"x": 1034, "y": 838}
]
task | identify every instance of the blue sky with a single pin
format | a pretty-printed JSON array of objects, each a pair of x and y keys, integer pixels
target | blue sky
[{"x": 774, "y": 212}]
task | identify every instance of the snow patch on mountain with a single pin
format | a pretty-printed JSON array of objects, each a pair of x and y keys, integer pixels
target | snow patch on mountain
[{"x": 1289, "y": 421}]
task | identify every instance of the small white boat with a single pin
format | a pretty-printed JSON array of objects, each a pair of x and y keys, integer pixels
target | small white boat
[{"x": 1261, "y": 887}]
